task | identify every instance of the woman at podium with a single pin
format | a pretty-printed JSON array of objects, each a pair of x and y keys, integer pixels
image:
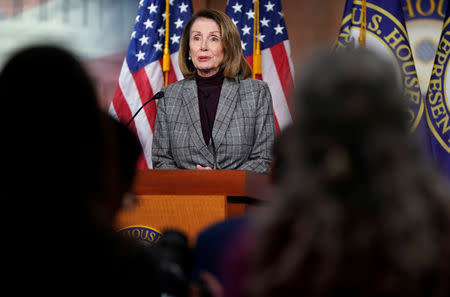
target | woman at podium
[{"x": 217, "y": 117}]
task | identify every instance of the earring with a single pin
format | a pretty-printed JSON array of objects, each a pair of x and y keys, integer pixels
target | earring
[{"x": 189, "y": 58}]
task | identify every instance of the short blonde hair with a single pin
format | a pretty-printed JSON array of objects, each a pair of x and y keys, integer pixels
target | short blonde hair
[{"x": 233, "y": 62}]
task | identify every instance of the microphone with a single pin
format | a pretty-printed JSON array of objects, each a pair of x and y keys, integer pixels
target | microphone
[
  {"x": 158, "y": 95},
  {"x": 205, "y": 97}
]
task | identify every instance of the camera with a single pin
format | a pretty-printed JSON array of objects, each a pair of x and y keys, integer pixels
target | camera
[{"x": 173, "y": 259}]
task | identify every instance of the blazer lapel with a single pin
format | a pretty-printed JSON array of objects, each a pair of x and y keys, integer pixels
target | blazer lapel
[
  {"x": 190, "y": 98},
  {"x": 227, "y": 104}
]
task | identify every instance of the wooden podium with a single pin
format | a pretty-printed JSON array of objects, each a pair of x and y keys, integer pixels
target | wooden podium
[{"x": 190, "y": 200}]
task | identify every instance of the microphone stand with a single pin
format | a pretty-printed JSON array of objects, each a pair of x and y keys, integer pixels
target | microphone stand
[{"x": 158, "y": 95}]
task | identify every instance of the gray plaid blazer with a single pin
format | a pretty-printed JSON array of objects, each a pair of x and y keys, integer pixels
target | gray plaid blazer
[{"x": 243, "y": 131}]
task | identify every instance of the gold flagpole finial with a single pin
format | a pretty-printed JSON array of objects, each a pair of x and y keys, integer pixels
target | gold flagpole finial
[
  {"x": 362, "y": 34},
  {"x": 166, "y": 55},
  {"x": 256, "y": 43}
]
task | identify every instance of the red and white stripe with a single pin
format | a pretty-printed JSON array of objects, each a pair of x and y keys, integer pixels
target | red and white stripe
[
  {"x": 278, "y": 73},
  {"x": 133, "y": 90}
]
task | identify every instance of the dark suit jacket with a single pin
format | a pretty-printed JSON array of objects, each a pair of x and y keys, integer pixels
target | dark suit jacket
[{"x": 243, "y": 132}]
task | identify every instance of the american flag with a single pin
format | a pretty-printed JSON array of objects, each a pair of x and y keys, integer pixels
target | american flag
[
  {"x": 142, "y": 76},
  {"x": 276, "y": 63}
]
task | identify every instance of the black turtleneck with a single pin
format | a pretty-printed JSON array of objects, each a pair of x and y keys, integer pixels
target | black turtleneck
[{"x": 212, "y": 86}]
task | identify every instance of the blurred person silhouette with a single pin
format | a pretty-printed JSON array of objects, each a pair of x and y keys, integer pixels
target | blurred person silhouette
[
  {"x": 211, "y": 249},
  {"x": 68, "y": 166},
  {"x": 128, "y": 150},
  {"x": 228, "y": 241},
  {"x": 359, "y": 211},
  {"x": 222, "y": 250}
]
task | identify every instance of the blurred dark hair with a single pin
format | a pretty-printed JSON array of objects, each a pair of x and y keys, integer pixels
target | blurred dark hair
[
  {"x": 360, "y": 213},
  {"x": 351, "y": 118},
  {"x": 67, "y": 166},
  {"x": 58, "y": 108},
  {"x": 54, "y": 124},
  {"x": 129, "y": 149}
]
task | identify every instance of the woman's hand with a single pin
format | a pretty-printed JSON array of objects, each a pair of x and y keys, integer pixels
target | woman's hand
[{"x": 199, "y": 167}]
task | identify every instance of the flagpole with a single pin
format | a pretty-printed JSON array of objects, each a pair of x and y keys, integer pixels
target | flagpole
[
  {"x": 166, "y": 55},
  {"x": 362, "y": 34},
  {"x": 256, "y": 44}
]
